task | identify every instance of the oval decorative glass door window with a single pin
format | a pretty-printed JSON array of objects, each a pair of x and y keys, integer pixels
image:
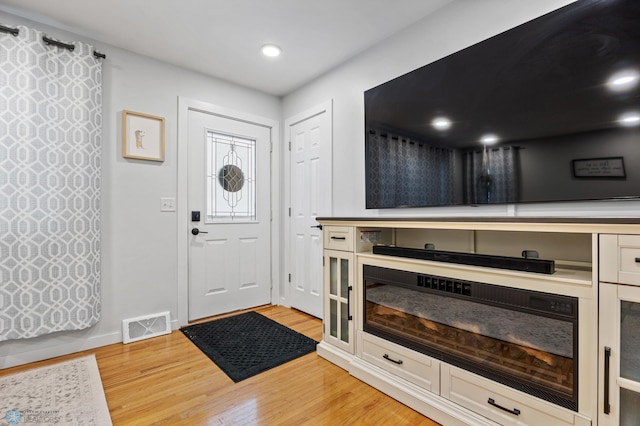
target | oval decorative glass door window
[{"x": 231, "y": 178}]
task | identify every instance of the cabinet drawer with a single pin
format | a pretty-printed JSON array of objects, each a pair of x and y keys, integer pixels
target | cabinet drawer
[
  {"x": 338, "y": 238},
  {"x": 620, "y": 259},
  {"x": 486, "y": 397},
  {"x": 415, "y": 367}
]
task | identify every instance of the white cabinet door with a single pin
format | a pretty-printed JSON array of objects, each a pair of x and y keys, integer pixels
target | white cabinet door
[
  {"x": 338, "y": 303},
  {"x": 619, "y": 357}
]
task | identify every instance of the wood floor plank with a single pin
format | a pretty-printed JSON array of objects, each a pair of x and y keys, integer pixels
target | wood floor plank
[{"x": 168, "y": 380}]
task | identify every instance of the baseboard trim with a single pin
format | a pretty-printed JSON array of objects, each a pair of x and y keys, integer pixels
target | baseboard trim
[
  {"x": 59, "y": 344},
  {"x": 33, "y": 351}
]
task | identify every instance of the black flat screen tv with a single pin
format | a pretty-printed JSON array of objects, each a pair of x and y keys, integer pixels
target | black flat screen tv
[{"x": 548, "y": 111}]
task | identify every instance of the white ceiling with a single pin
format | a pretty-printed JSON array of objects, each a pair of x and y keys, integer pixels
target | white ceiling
[{"x": 222, "y": 38}]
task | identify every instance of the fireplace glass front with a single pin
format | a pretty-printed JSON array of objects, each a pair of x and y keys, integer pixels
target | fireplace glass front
[{"x": 521, "y": 338}]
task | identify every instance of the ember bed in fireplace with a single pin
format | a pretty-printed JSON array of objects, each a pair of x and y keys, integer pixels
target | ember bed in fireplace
[{"x": 524, "y": 339}]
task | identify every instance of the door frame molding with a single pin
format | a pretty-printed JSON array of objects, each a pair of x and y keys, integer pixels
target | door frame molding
[
  {"x": 185, "y": 105},
  {"x": 327, "y": 152}
]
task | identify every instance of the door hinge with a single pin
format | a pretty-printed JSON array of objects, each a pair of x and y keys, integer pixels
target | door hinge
[
  {"x": 289, "y": 211},
  {"x": 289, "y": 277},
  {"x": 323, "y": 261},
  {"x": 271, "y": 146},
  {"x": 289, "y": 145}
]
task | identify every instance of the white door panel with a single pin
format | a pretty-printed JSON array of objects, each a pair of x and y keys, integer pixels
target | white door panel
[
  {"x": 229, "y": 258},
  {"x": 310, "y": 167}
]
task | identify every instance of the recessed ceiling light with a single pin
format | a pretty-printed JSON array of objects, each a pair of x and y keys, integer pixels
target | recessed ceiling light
[
  {"x": 629, "y": 119},
  {"x": 441, "y": 123},
  {"x": 271, "y": 50},
  {"x": 623, "y": 80},
  {"x": 488, "y": 139}
]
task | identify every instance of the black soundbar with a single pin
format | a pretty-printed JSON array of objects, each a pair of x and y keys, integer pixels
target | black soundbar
[{"x": 540, "y": 266}]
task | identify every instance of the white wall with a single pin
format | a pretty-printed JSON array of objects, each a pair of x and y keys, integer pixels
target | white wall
[
  {"x": 456, "y": 25},
  {"x": 139, "y": 250}
]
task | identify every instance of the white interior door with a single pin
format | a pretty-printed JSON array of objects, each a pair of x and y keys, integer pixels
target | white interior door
[
  {"x": 229, "y": 188},
  {"x": 310, "y": 177}
]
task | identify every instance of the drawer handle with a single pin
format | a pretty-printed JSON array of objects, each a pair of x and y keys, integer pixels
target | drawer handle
[
  {"x": 515, "y": 411},
  {"x": 607, "y": 366},
  {"x": 637, "y": 259},
  {"x": 338, "y": 238},
  {"x": 395, "y": 361}
]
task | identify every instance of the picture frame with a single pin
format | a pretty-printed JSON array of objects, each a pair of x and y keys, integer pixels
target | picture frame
[
  {"x": 142, "y": 136},
  {"x": 606, "y": 167}
]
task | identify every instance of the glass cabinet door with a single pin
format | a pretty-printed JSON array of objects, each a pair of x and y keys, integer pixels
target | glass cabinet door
[
  {"x": 620, "y": 354},
  {"x": 338, "y": 275}
]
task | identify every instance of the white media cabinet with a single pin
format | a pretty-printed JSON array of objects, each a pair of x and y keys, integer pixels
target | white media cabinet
[{"x": 591, "y": 256}]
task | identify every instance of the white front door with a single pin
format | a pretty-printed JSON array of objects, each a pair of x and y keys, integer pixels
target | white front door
[
  {"x": 229, "y": 213},
  {"x": 310, "y": 177}
]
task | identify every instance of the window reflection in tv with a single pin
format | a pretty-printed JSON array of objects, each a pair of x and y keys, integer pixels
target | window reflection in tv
[{"x": 508, "y": 119}]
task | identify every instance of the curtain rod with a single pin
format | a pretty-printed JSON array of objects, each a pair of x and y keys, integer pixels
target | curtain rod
[
  {"x": 12, "y": 31},
  {"x": 68, "y": 46},
  {"x": 50, "y": 41}
]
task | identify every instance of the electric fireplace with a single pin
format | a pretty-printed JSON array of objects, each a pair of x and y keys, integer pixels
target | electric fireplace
[{"x": 524, "y": 339}]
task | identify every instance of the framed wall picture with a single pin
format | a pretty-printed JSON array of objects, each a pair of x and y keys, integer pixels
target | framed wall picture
[
  {"x": 142, "y": 136},
  {"x": 610, "y": 167}
]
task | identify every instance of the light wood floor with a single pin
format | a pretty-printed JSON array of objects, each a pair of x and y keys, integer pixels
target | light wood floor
[{"x": 167, "y": 380}]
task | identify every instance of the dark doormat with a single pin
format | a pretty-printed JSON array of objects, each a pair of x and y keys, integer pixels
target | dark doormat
[{"x": 247, "y": 344}]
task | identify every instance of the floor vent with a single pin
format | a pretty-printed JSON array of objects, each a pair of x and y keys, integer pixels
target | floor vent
[{"x": 145, "y": 327}]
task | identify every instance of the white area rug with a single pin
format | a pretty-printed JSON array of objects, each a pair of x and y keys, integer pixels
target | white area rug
[{"x": 66, "y": 393}]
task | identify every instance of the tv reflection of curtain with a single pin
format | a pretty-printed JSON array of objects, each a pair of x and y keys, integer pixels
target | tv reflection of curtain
[
  {"x": 405, "y": 172},
  {"x": 495, "y": 181}
]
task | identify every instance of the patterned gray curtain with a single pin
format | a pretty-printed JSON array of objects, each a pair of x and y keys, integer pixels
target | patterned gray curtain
[
  {"x": 406, "y": 172},
  {"x": 50, "y": 144},
  {"x": 492, "y": 176}
]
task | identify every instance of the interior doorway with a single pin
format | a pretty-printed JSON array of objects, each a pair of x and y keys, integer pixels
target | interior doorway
[{"x": 309, "y": 138}]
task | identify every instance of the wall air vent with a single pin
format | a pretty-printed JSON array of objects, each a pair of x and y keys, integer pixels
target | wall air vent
[{"x": 145, "y": 327}]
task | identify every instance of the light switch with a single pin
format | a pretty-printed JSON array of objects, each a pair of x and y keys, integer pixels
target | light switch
[{"x": 167, "y": 204}]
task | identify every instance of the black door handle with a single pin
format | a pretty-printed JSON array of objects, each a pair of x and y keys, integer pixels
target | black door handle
[
  {"x": 196, "y": 231},
  {"x": 318, "y": 226}
]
